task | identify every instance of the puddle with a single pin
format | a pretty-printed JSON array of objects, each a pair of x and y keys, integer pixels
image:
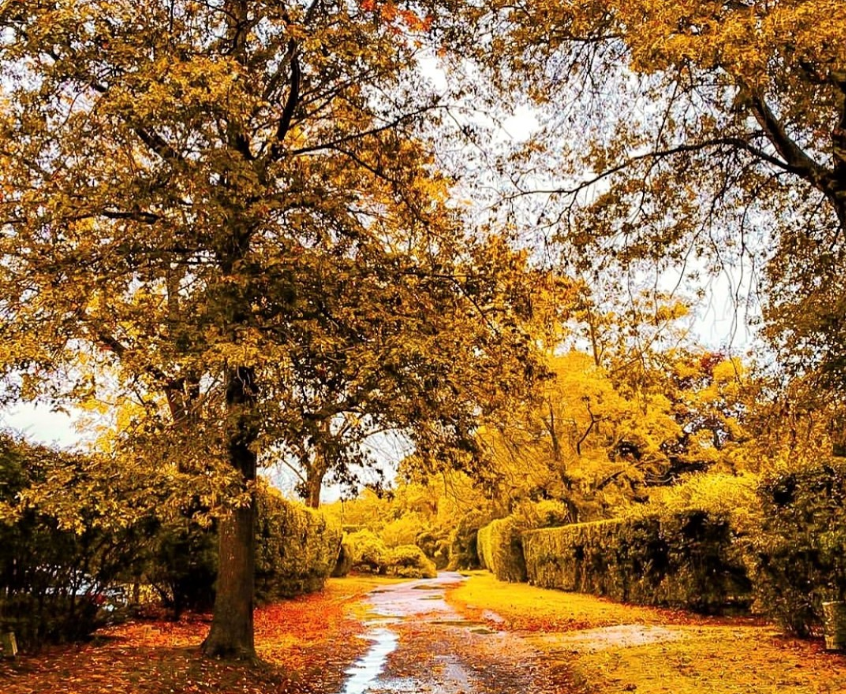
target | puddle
[
  {"x": 492, "y": 617},
  {"x": 368, "y": 668},
  {"x": 389, "y": 606},
  {"x": 414, "y": 598},
  {"x": 482, "y": 630},
  {"x": 458, "y": 623}
]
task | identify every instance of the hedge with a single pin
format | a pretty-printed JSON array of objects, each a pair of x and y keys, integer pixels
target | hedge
[
  {"x": 55, "y": 583},
  {"x": 501, "y": 550},
  {"x": 370, "y": 555},
  {"x": 688, "y": 559},
  {"x": 435, "y": 546},
  {"x": 463, "y": 547},
  {"x": 800, "y": 553},
  {"x": 297, "y": 548},
  {"x": 409, "y": 561},
  {"x": 343, "y": 564}
]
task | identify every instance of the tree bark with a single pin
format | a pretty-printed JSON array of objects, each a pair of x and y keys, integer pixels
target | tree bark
[
  {"x": 314, "y": 484},
  {"x": 231, "y": 634}
]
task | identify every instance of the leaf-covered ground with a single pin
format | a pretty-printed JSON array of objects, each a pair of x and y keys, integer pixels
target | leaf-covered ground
[
  {"x": 306, "y": 644},
  {"x": 611, "y": 648},
  {"x": 487, "y": 637}
]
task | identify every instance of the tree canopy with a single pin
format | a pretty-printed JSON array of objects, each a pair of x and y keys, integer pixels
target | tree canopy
[
  {"x": 695, "y": 134},
  {"x": 216, "y": 202}
]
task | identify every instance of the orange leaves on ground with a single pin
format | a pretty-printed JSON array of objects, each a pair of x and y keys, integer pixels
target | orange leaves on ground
[{"x": 305, "y": 645}]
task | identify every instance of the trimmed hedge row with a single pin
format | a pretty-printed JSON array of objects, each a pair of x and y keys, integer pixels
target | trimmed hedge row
[
  {"x": 689, "y": 560},
  {"x": 500, "y": 548},
  {"x": 297, "y": 548},
  {"x": 799, "y": 560}
]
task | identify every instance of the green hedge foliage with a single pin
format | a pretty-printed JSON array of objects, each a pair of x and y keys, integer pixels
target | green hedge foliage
[
  {"x": 463, "y": 550},
  {"x": 56, "y": 585},
  {"x": 799, "y": 560},
  {"x": 688, "y": 560},
  {"x": 370, "y": 555},
  {"x": 343, "y": 565},
  {"x": 297, "y": 548},
  {"x": 409, "y": 561},
  {"x": 435, "y": 546},
  {"x": 500, "y": 547}
]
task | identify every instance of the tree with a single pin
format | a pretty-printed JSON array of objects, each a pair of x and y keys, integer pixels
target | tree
[
  {"x": 711, "y": 129},
  {"x": 641, "y": 409},
  {"x": 189, "y": 192},
  {"x": 396, "y": 372}
]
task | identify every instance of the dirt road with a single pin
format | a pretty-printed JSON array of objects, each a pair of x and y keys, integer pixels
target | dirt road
[
  {"x": 453, "y": 635},
  {"x": 420, "y": 644}
]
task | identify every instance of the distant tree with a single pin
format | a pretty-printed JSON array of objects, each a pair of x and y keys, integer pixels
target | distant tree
[{"x": 623, "y": 417}]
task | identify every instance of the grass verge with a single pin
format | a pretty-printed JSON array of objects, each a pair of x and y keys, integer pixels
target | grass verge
[{"x": 614, "y": 648}]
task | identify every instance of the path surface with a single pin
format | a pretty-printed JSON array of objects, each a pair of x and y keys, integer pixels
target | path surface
[
  {"x": 453, "y": 635},
  {"x": 420, "y": 645}
]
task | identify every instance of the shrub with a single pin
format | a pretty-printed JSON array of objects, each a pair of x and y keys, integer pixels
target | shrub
[
  {"x": 343, "y": 565},
  {"x": 297, "y": 547},
  {"x": 548, "y": 513},
  {"x": 434, "y": 546},
  {"x": 368, "y": 552},
  {"x": 56, "y": 584},
  {"x": 463, "y": 552},
  {"x": 500, "y": 548},
  {"x": 688, "y": 559},
  {"x": 800, "y": 553},
  {"x": 296, "y": 551},
  {"x": 401, "y": 531},
  {"x": 182, "y": 564},
  {"x": 718, "y": 494},
  {"x": 369, "y": 555},
  {"x": 408, "y": 561}
]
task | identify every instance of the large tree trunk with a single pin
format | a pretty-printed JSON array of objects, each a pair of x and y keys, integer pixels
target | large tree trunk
[{"x": 231, "y": 634}]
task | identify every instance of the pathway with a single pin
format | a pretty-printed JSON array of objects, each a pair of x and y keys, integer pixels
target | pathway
[{"x": 421, "y": 645}]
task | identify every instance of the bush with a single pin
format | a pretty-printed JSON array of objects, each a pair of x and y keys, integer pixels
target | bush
[
  {"x": 463, "y": 551},
  {"x": 434, "y": 546},
  {"x": 297, "y": 547},
  {"x": 370, "y": 555},
  {"x": 343, "y": 565},
  {"x": 56, "y": 584},
  {"x": 367, "y": 551},
  {"x": 402, "y": 531},
  {"x": 689, "y": 559},
  {"x": 500, "y": 548},
  {"x": 296, "y": 551},
  {"x": 182, "y": 565},
  {"x": 800, "y": 553},
  {"x": 547, "y": 513},
  {"x": 408, "y": 561}
]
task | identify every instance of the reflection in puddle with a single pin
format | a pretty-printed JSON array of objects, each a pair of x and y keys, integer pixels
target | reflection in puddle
[
  {"x": 390, "y": 606},
  {"x": 370, "y": 665}
]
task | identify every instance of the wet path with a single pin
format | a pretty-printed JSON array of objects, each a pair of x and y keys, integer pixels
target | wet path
[{"x": 420, "y": 645}]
